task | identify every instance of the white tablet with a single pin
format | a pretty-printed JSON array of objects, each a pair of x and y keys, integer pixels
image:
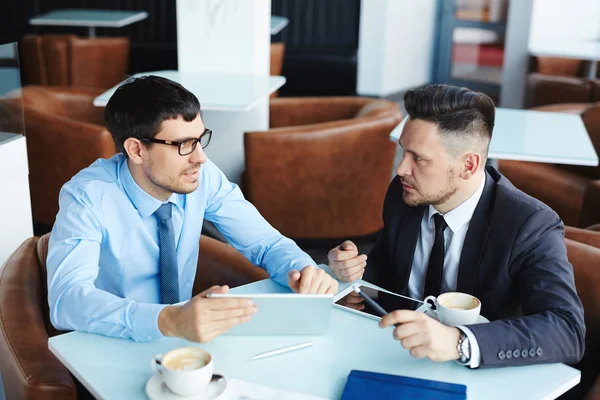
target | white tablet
[
  {"x": 349, "y": 301},
  {"x": 285, "y": 314}
]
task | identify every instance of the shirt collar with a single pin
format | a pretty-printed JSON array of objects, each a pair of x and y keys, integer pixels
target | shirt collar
[
  {"x": 143, "y": 202},
  {"x": 462, "y": 214}
]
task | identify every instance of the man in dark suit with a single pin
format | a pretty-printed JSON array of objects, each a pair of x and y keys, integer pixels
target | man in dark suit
[{"x": 450, "y": 224}]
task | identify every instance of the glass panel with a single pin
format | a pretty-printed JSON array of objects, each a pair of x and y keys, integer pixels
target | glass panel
[
  {"x": 481, "y": 10},
  {"x": 11, "y": 101},
  {"x": 477, "y": 55}
]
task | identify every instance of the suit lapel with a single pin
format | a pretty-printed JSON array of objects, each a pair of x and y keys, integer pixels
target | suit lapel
[
  {"x": 476, "y": 238},
  {"x": 410, "y": 228}
]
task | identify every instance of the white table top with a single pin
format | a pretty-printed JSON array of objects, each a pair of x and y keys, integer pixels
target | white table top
[
  {"x": 119, "y": 369},
  {"x": 580, "y": 50},
  {"x": 225, "y": 92},
  {"x": 85, "y": 17},
  {"x": 277, "y": 24},
  {"x": 537, "y": 136}
]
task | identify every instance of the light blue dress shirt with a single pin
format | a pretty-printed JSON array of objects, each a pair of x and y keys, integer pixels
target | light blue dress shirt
[
  {"x": 458, "y": 221},
  {"x": 103, "y": 274}
]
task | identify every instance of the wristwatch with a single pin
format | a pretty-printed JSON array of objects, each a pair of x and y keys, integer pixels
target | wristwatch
[{"x": 464, "y": 348}]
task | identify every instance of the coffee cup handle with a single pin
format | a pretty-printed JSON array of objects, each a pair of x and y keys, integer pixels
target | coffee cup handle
[
  {"x": 156, "y": 364},
  {"x": 433, "y": 300}
]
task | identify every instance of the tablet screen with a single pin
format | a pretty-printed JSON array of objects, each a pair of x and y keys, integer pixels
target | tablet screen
[{"x": 389, "y": 302}]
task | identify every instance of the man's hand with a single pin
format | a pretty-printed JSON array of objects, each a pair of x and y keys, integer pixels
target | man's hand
[
  {"x": 346, "y": 263},
  {"x": 423, "y": 336},
  {"x": 202, "y": 319},
  {"x": 312, "y": 280}
]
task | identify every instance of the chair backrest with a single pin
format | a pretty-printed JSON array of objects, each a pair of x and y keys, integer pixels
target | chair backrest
[
  {"x": 29, "y": 369},
  {"x": 558, "y": 66},
  {"x": 586, "y": 267},
  {"x": 57, "y": 148},
  {"x": 98, "y": 62},
  {"x": 323, "y": 180},
  {"x": 67, "y": 60}
]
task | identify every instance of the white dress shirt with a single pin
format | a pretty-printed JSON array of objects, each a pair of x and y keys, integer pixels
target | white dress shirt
[{"x": 458, "y": 221}]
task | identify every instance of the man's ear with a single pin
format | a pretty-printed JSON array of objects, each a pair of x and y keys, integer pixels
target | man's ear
[
  {"x": 471, "y": 164},
  {"x": 134, "y": 148}
]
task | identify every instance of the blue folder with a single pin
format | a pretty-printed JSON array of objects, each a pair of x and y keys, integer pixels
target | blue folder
[{"x": 371, "y": 385}]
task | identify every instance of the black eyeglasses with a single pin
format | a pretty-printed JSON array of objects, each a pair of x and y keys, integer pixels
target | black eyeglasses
[{"x": 188, "y": 146}]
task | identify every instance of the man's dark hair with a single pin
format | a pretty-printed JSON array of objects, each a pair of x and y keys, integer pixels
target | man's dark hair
[
  {"x": 459, "y": 112},
  {"x": 139, "y": 106}
]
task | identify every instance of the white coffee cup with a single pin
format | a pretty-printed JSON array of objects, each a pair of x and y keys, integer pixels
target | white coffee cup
[
  {"x": 186, "y": 371},
  {"x": 454, "y": 308}
]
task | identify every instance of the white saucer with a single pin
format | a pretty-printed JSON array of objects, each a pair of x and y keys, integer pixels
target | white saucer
[
  {"x": 425, "y": 309},
  {"x": 157, "y": 390}
]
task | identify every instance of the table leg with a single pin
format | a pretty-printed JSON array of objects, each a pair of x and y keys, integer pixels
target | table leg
[
  {"x": 592, "y": 69},
  {"x": 92, "y": 32}
]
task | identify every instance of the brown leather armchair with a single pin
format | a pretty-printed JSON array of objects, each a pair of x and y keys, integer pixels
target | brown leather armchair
[
  {"x": 29, "y": 370},
  {"x": 322, "y": 170},
  {"x": 560, "y": 80},
  {"x": 67, "y": 60},
  {"x": 583, "y": 250},
  {"x": 563, "y": 187},
  {"x": 65, "y": 133}
]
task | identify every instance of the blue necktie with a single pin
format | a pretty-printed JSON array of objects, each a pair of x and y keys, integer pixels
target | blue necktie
[{"x": 169, "y": 274}]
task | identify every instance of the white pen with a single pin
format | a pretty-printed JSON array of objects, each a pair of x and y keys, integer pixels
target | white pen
[{"x": 282, "y": 350}]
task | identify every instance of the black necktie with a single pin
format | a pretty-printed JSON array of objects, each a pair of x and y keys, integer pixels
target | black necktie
[
  {"x": 435, "y": 268},
  {"x": 169, "y": 273}
]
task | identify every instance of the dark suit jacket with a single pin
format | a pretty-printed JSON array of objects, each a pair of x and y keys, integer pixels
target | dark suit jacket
[{"x": 514, "y": 260}]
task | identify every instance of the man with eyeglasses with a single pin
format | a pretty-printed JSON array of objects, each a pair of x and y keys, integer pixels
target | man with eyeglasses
[{"x": 124, "y": 247}]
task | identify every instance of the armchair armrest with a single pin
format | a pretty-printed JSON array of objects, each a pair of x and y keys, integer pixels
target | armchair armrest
[
  {"x": 221, "y": 264},
  {"x": 311, "y": 110},
  {"x": 29, "y": 369},
  {"x": 583, "y": 236},
  {"x": 559, "y": 189},
  {"x": 545, "y": 89},
  {"x": 79, "y": 103}
]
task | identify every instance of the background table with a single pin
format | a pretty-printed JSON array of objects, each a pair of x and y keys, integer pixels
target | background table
[
  {"x": 216, "y": 92},
  {"x": 89, "y": 18},
  {"x": 277, "y": 24},
  {"x": 537, "y": 136},
  {"x": 119, "y": 369},
  {"x": 579, "y": 50}
]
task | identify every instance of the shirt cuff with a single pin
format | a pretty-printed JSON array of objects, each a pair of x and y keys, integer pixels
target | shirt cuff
[
  {"x": 475, "y": 360},
  {"x": 144, "y": 321}
]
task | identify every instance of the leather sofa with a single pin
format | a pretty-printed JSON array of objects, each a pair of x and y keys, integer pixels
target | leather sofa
[
  {"x": 67, "y": 60},
  {"x": 560, "y": 80},
  {"x": 65, "y": 133},
  {"x": 29, "y": 370},
  {"x": 322, "y": 169},
  {"x": 568, "y": 189}
]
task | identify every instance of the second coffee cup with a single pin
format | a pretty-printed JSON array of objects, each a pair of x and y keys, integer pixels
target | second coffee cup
[{"x": 454, "y": 308}]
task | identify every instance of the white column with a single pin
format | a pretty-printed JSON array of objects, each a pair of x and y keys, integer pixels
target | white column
[
  {"x": 516, "y": 55},
  {"x": 227, "y": 36},
  {"x": 395, "y": 45},
  {"x": 15, "y": 204}
]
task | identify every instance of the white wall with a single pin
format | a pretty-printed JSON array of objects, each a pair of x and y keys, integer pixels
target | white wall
[
  {"x": 227, "y": 37},
  {"x": 15, "y": 204},
  {"x": 396, "y": 44},
  {"x": 565, "y": 19},
  {"x": 224, "y": 36}
]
